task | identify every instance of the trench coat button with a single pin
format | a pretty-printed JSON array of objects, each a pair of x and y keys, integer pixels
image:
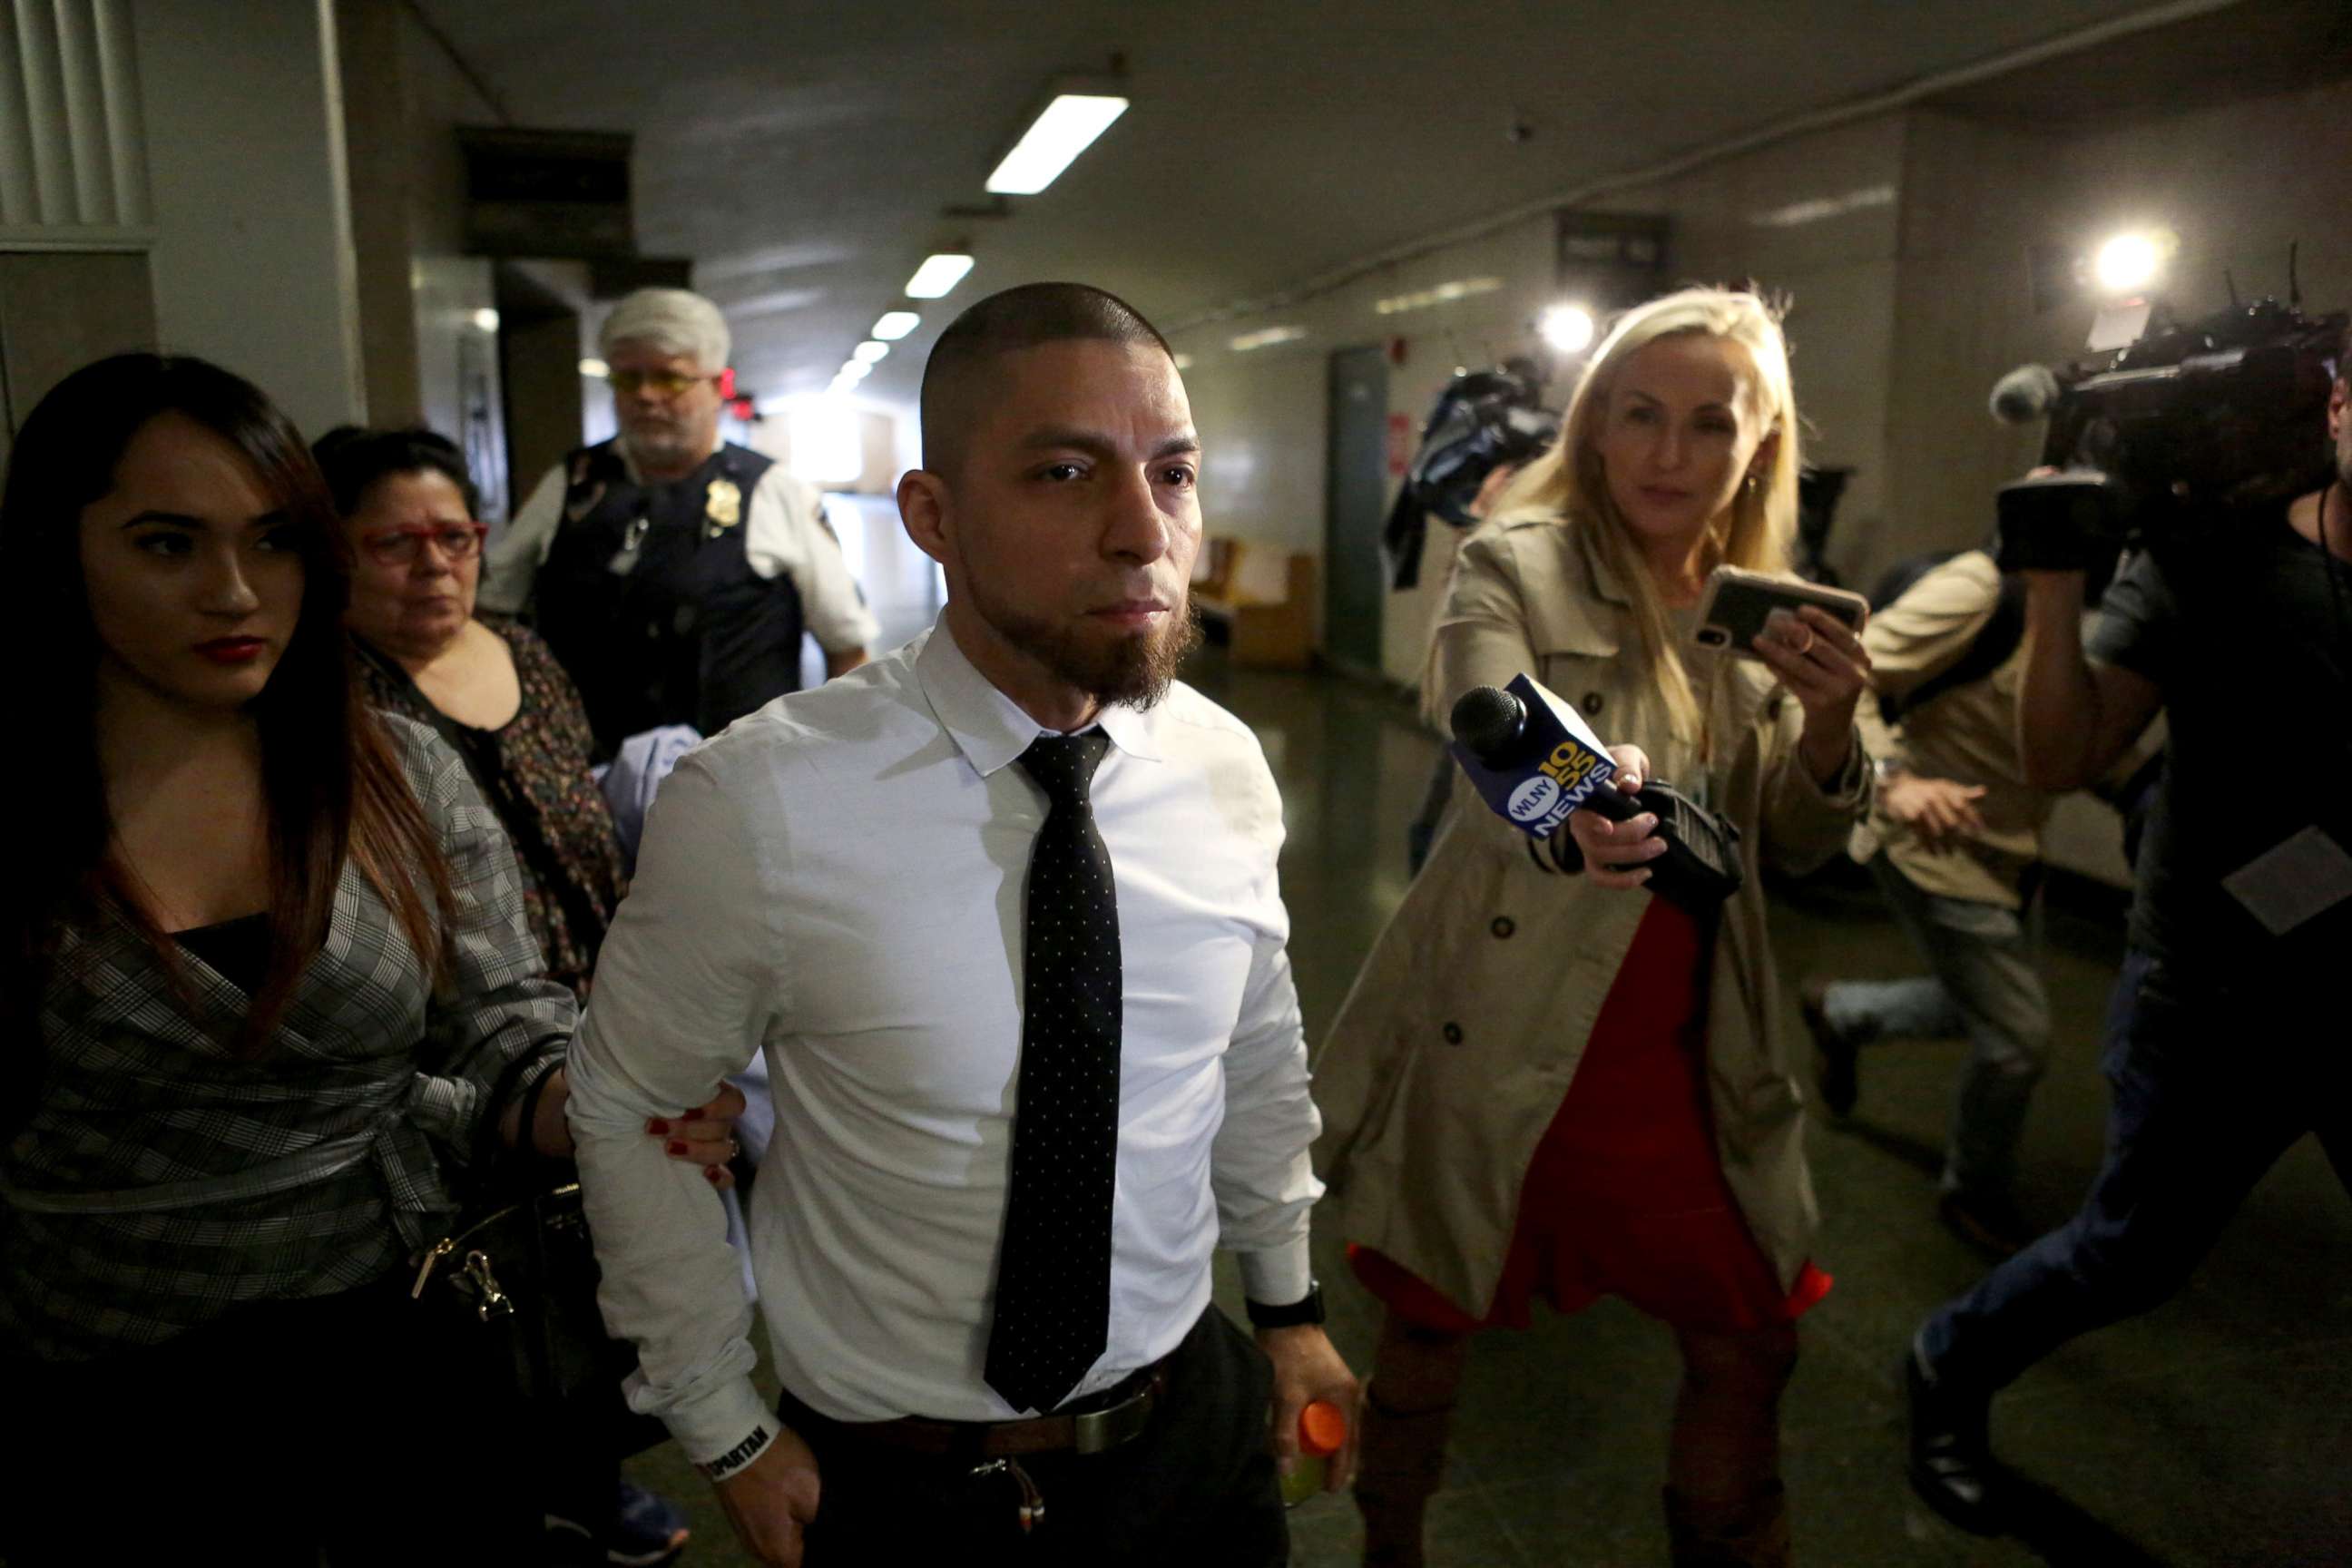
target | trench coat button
[
  {"x": 1504, "y": 926},
  {"x": 1452, "y": 1032},
  {"x": 1592, "y": 705}
]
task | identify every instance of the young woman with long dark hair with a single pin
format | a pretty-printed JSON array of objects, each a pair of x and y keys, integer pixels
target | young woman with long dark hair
[{"x": 266, "y": 993}]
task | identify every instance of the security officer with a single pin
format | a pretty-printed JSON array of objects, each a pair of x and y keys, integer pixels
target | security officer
[{"x": 673, "y": 574}]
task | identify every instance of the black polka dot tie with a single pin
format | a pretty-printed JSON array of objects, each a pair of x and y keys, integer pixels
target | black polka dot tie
[{"x": 1052, "y": 1273}]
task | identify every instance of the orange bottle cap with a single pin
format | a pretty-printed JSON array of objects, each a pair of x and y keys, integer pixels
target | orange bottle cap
[{"x": 1322, "y": 1427}]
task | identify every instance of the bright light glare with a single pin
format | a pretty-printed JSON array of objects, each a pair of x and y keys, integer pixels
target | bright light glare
[
  {"x": 1066, "y": 128},
  {"x": 825, "y": 447},
  {"x": 870, "y": 353},
  {"x": 856, "y": 369},
  {"x": 487, "y": 319},
  {"x": 937, "y": 276},
  {"x": 892, "y": 326},
  {"x": 595, "y": 369},
  {"x": 1567, "y": 327},
  {"x": 2128, "y": 263}
]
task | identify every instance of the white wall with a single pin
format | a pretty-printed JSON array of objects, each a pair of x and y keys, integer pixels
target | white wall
[{"x": 252, "y": 255}]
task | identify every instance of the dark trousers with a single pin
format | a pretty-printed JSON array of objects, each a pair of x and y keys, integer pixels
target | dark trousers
[
  {"x": 1197, "y": 1487},
  {"x": 344, "y": 1426},
  {"x": 2210, "y": 1088}
]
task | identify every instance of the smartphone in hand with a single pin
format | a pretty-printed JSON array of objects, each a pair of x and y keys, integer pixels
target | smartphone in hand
[{"x": 1731, "y": 611}]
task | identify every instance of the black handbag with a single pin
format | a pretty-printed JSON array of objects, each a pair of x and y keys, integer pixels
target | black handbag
[{"x": 513, "y": 1285}]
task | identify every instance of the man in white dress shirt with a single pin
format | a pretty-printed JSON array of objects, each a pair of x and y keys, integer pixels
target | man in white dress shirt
[
  {"x": 674, "y": 574},
  {"x": 1001, "y": 910}
]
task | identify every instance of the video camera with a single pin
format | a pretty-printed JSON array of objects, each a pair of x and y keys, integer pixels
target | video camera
[
  {"x": 1484, "y": 420},
  {"x": 2189, "y": 421}
]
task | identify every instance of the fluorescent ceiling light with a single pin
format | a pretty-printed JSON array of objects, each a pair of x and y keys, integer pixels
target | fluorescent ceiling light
[
  {"x": 896, "y": 324},
  {"x": 1266, "y": 339},
  {"x": 870, "y": 353},
  {"x": 1066, "y": 128},
  {"x": 1443, "y": 294},
  {"x": 937, "y": 276},
  {"x": 1183, "y": 362},
  {"x": 595, "y": 369},
  {"x": 856, "y": 369},
  {"x": 1796, "y": 214},
  {"x": 487, "y": 319}
]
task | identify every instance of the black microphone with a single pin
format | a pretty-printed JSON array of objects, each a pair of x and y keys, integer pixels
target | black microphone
[
  {"x": 2025, "y": 395},
  {"x": 1701, "y": 867}
]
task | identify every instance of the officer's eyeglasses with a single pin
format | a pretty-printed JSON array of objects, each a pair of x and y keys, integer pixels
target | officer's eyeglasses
[
  {"x": 663, "y": 383},
  {"x": 401, "y": 546}
]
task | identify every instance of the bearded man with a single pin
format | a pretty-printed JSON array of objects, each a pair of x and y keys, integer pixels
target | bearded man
[
  {"x": 1000, "y": 910},
  {"x": 673, "y": 573}
]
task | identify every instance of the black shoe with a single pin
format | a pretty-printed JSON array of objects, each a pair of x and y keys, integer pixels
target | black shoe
[
  {"x": 1952, "y": 1468},
  {"x": 1987, "y": 1221},
  {"x": 1835, "y": 1055}
]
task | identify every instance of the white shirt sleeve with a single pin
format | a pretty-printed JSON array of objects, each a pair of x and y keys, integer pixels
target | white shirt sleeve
[
  {"x": 687, "y": 986},
  {"x": 512, "y": 563},
  {"x": 786, "y": 534},
  {"x": 1259, "y": 1166}
]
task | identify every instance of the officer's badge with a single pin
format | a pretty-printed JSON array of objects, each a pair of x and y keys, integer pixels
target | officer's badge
[
  {"x": 583, "y": 504},
  {"x": 722, "y": 504}
]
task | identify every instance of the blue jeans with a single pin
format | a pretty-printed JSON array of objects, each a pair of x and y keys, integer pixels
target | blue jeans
[
  {"x": 1986, "y": 984},
  {"x": 2210, "y": 1088}
]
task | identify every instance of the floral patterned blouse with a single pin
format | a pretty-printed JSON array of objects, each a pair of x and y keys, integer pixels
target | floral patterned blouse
[{"x": 535, "y": 773}]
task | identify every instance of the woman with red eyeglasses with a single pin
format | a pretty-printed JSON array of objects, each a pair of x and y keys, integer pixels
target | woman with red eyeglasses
[{"x": 495, "y": 694}]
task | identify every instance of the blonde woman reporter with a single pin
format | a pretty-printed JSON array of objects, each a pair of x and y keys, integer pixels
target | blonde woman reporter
[{"x": 1555, "y": 1083}]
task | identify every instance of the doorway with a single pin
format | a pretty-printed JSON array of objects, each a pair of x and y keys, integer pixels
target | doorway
[{"x": 1355, "y": 486}]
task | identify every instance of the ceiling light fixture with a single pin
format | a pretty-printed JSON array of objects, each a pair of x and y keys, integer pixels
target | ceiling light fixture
[
  {"x": 895, "y": 324},
  {"x": 1067, "y": 127},
  {"x": 1183, "y": 362},
  {"x": 870, "y": 351},
  {"x": 595, "y": 369},
  {"x": 1443, "y": 294},
  {"x": 487, "y": 319},
  {"x": 856, "y": 369},
  {"x": 938, "y": 276},
  {"x": 1266, "y": 339}
]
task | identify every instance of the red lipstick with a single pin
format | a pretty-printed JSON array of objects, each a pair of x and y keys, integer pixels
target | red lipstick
[{"x": 231, "y": 650}]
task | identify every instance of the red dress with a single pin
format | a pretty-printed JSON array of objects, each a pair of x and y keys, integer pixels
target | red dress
[{"x": 1626, "y": 1196}]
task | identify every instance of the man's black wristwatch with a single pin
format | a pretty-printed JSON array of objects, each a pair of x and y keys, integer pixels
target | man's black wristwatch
[{"x": 1308, "y": 1308}]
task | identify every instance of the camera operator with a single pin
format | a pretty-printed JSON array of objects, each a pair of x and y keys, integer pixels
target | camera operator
[{"x": 2244, "y": 634}]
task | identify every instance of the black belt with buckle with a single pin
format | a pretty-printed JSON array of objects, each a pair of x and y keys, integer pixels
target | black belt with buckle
[{"x": 1121, "y": 1420}]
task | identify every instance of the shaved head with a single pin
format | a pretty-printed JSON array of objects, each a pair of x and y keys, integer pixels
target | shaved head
[{"x": 956, "y": 376}]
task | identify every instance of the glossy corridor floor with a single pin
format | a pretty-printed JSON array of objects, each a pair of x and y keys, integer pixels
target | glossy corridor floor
[{"x": 2217, "y": 1430}]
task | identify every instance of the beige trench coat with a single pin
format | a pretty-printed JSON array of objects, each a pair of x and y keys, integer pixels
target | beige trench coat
[{"x": 1453, "y": 1050}]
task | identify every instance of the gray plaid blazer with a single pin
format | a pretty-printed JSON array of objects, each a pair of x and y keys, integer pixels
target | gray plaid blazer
[{"x": 161, "y": 1183}]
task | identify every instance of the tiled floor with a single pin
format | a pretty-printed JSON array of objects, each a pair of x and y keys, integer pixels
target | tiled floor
[{"x": 2217, "y": 1430}]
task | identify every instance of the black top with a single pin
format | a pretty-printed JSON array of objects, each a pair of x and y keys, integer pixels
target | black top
[
  {"x": 237, "y": 950},
  {"x": 534, "y": 773},
  {"x": 2238, "y": 625}
]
